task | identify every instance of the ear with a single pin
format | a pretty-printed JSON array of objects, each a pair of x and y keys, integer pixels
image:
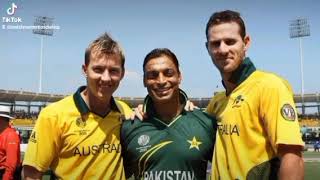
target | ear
[
  {"x": 122, "y": 73},
  {"x": 84, "y": 70},
  {"x": 247, "y": 42},
  {"x": 180, "y": 77},
  {"x": 206, "y": 44},
  {"x": 144, "y": 81}
]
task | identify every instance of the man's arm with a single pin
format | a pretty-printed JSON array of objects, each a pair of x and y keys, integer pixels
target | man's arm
[
  {"x": 292, "y": 164},
  {"x": 13, "y": 155},
  {"x": 30, "y": 173}
]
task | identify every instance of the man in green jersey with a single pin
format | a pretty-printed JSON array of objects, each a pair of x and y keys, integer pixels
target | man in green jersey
[
  {"x": 170, "y": 143},
  {"x": 258, "y": 132}
]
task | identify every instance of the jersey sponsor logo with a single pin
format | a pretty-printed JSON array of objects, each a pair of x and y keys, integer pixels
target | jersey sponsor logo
[
  {"x": 288, "y": 113},
  {"x": 194, "y": 143},
  {"x": 228, "y": 129},
  {"x": 143, "y": 140},
  {"x": 238, "y": 101},
  {"x": 80, "y": 122},
  {"x": 33, "y": 137},
  {"x": 168, "y": 175},
  {"x": 95, "y": 149}
]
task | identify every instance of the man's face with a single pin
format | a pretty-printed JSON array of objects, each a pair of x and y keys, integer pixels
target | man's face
[
  {"x": 226, "y": 47},
  {"x": 162, "y": 79},
  {"x": 104, "y": 73}
]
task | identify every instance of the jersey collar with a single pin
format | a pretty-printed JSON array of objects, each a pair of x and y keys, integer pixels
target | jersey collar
[
  {"x": 150, "y": 110},
  {"x": 242, "y": 72},
  {"x": 82, "y": 106}
]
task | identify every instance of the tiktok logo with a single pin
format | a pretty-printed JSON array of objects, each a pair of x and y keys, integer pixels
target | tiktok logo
[{"x": 11, "y": 10}]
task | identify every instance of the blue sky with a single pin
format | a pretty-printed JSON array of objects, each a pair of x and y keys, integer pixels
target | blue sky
[{"x": 143, "y": 25}]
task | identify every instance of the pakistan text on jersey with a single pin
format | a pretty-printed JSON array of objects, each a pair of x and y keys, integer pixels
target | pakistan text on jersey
[
  {"x": 95, "y": 149},
  {"x": 169, "y": 175},
  {"x": 228, "y": 129}
]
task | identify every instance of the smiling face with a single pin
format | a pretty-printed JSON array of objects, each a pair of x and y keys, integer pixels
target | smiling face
[
  {"x": 226, "y": 46},
  {"x": 104, "y": 73},
  {"x": 162, "y": 79}
]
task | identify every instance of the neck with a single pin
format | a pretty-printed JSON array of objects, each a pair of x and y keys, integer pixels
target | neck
[
  {"x": 172, "y": 109},
  {"x": 97, "y": 106},
  {"x": 3, "y": 126},
  {"x": 230, "y": 86}
]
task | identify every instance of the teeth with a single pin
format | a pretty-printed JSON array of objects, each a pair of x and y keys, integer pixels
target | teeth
[{"x": 161, "y": 90}]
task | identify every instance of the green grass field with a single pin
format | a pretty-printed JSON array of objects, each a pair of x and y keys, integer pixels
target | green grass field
[{"x": 312, "y": 168}]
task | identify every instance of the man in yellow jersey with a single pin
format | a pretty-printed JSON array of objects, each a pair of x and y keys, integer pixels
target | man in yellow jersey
[
  {"x": 258, "y": 132},
  {"x": 79, "y": 136}
]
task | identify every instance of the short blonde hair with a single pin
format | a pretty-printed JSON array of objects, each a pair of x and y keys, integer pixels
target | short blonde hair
[{"x": 104, "y": 45}]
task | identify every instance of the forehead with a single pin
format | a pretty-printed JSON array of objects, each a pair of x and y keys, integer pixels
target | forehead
[
  {"x": 159, "y": 63},
  {"x": 103, "y": 59},
  {"x": 224, "y": 30}
]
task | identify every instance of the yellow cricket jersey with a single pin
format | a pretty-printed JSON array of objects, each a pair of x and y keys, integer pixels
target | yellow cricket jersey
[
  {"x": 76, "y": 143},
  {"x": 257, "y": 116}
]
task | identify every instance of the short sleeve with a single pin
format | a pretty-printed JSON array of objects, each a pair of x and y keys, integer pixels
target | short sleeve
[
  {"x": 44, "y": 141},
  {"x": 278, "y": 113}
]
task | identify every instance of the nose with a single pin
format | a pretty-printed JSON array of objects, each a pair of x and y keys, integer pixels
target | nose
[
  {"x": 105, "y": 76},
  {"x": 223, "y": 48},
  {"x": 161, "y": 79}
]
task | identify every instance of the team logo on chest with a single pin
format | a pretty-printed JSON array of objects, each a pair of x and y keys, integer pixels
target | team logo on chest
[
  {"x": 194, "y": 143},
  {"x": 143, "y": 140},
  {"x": 238, "y": 101},
  {"x": 80, "y": 123},
  {"x": 288, "y": 113}
]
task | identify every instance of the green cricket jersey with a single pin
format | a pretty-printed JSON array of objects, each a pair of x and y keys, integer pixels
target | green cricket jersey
[{"x": 180, "y": 150}]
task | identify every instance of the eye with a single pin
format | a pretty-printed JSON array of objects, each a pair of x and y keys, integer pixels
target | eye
[
  {"x": 214, "y": 44},
  {"x": 152, "y": 74},
  {"x": 115, "y": 71},
  {"x": 98, "y": 70},
  {"x": 169, "y": 72},
  {"x": 230, "y": 42}
]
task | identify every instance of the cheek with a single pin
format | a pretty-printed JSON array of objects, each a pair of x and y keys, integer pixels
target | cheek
[
  {"x": 175, "y": 82},
  {"x": 148, "y": 84}
]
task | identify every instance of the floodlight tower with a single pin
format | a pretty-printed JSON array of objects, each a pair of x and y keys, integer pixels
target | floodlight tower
[
  {"x": 42, "y": 29},
  {"x": 300, "y": 28}
]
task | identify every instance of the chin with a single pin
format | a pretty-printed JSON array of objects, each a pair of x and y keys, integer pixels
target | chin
[{"x": 162, "y": 99}]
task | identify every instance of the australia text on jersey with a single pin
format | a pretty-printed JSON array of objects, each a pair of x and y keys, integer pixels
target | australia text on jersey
[
  {"x": 228, "y": 129},
  {"x": 95, "y": 149}
]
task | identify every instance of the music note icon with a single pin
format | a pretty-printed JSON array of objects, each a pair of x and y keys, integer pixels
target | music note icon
[{"x": 11, "y": 10}]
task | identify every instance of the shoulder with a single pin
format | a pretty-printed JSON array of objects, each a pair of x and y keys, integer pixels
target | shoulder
[
  {"x": 11, "y": 133},
  {"x": 59, "y": 105},
  {"x": 214, "y": 102},
  {"x": 53, "y": 111},
  {"x": 124, "y": 108},
  {"x": 218, "y": 96},
  {"x": 131, "y": 124},
  {"x": 202, "y": 117},
  {"x": 128, "y": 126},
  {"x": 201, "y": 114},
  {"x": 269, "y": 80},
  {"x": 130, "y": 129}
]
